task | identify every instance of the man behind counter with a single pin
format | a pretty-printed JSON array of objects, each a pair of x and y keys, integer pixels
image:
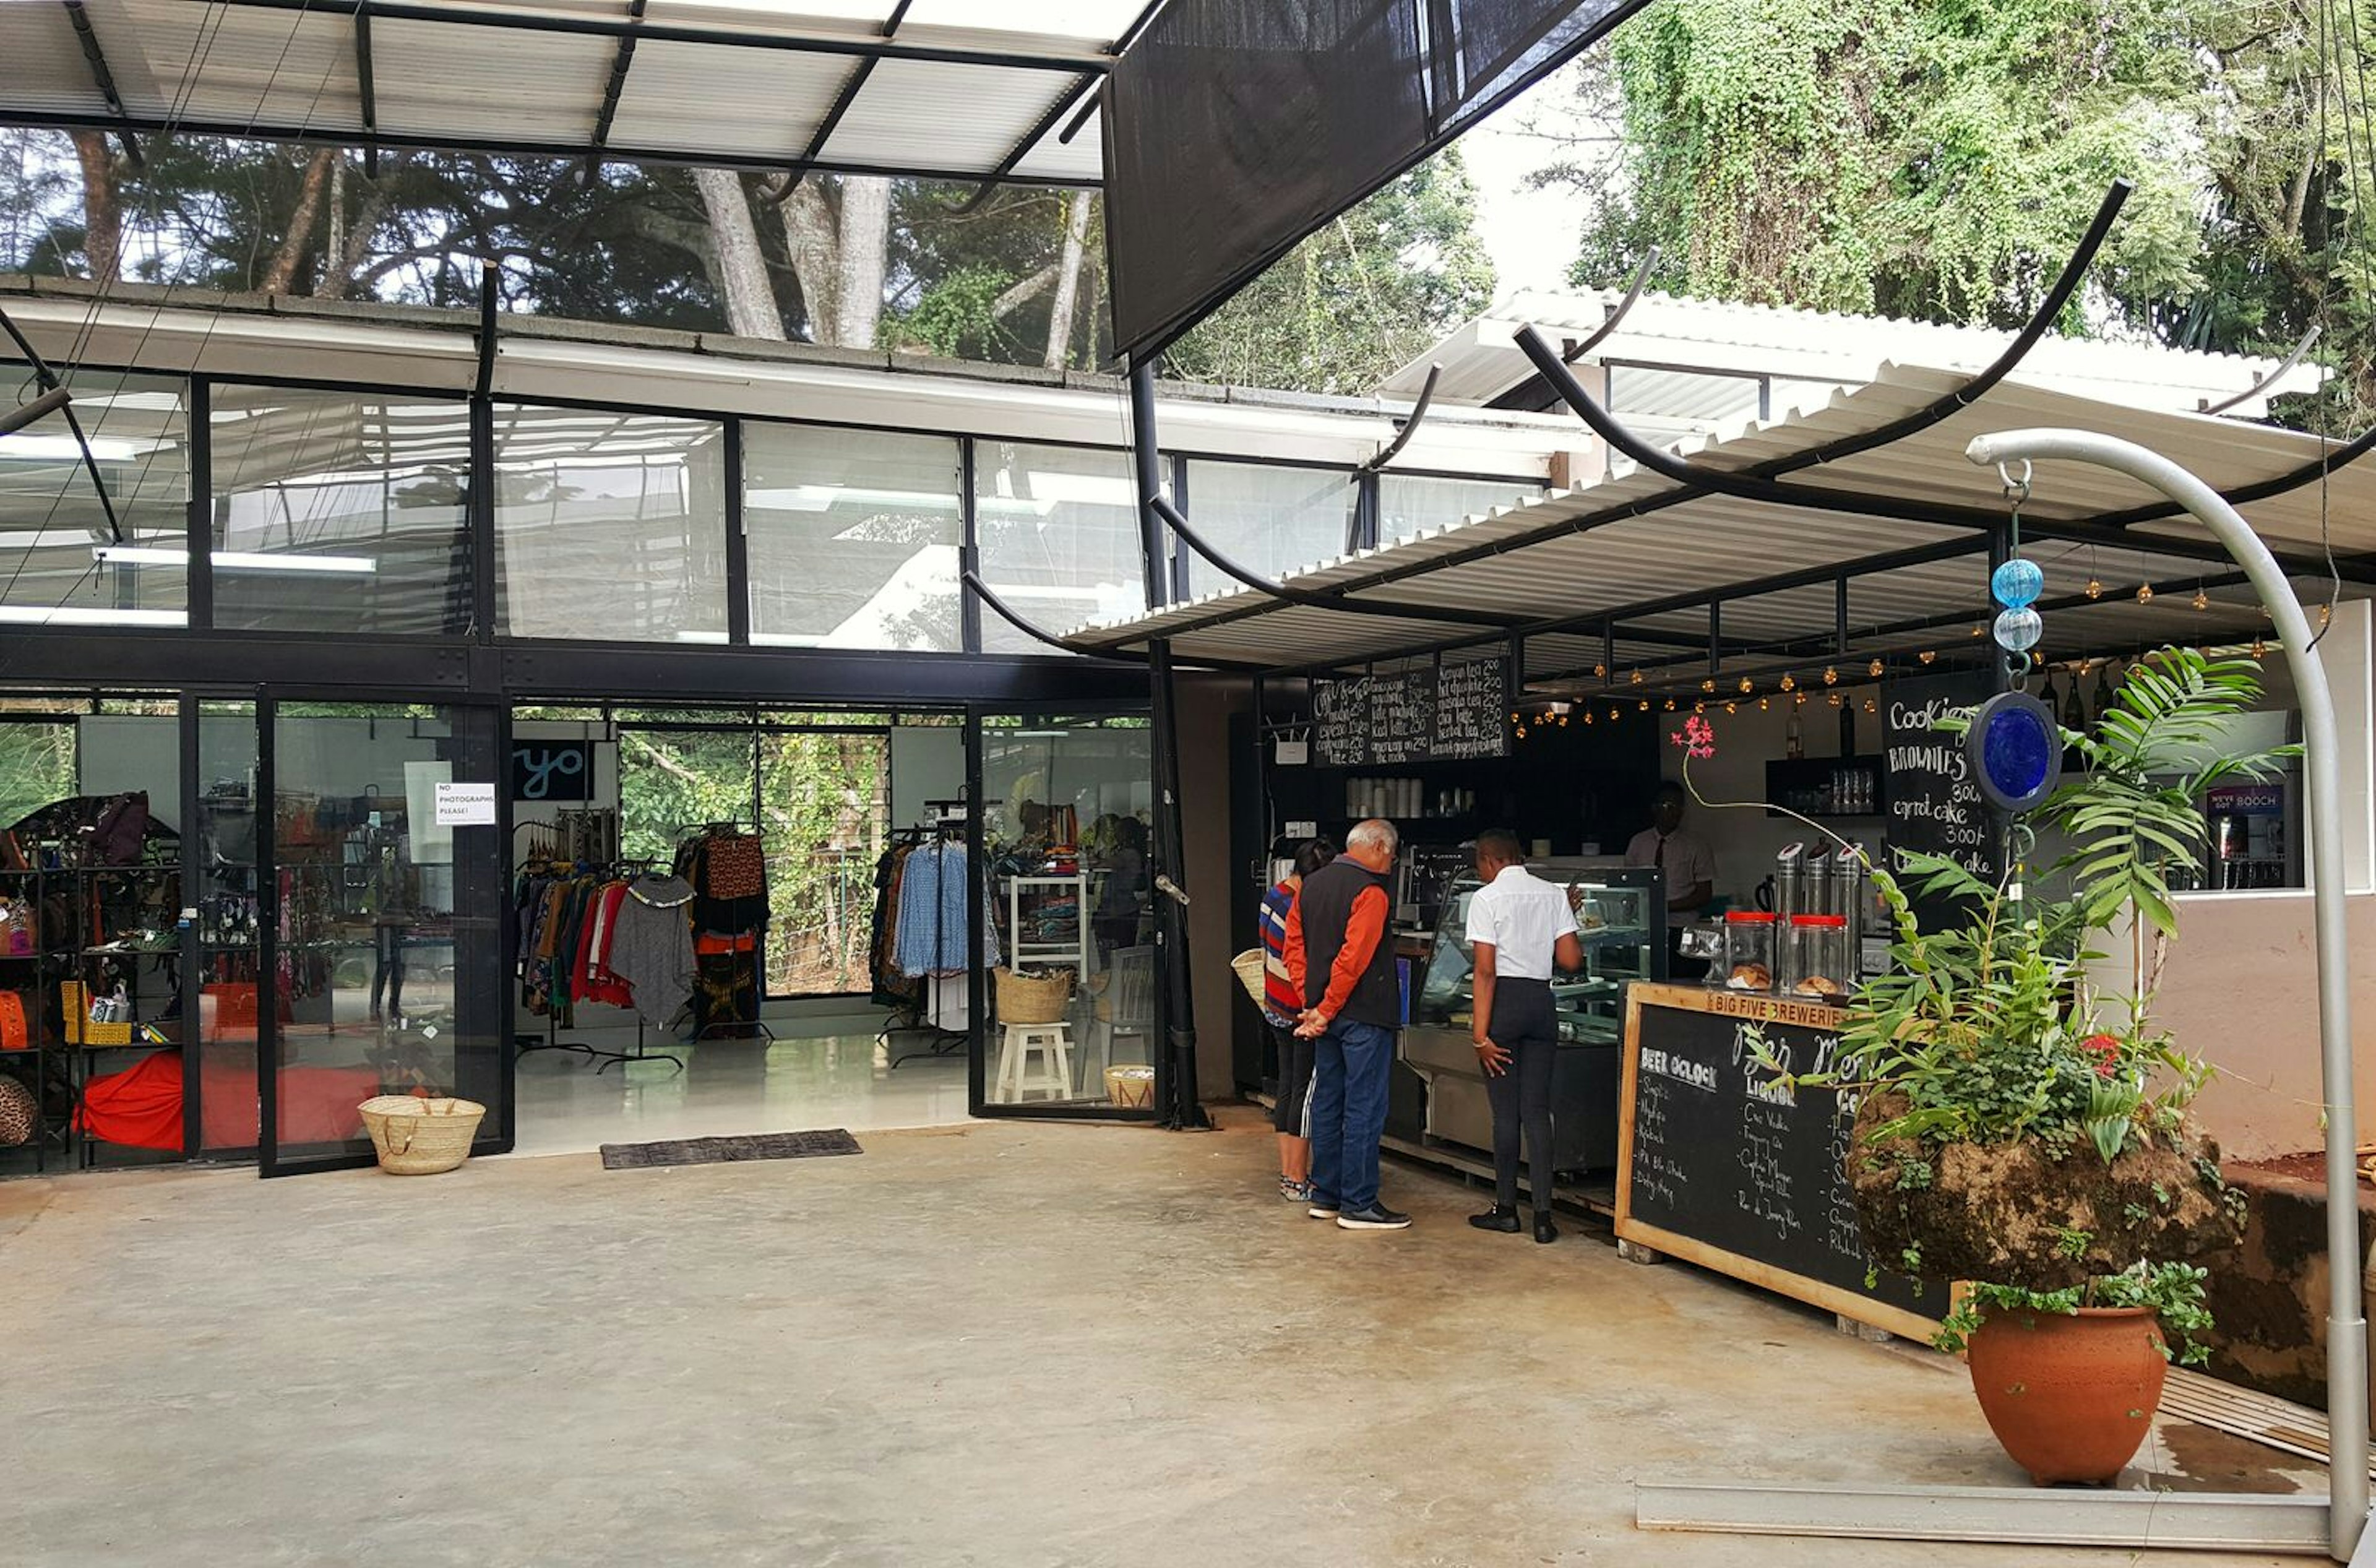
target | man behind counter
[{"x": 1688, "y": 871}]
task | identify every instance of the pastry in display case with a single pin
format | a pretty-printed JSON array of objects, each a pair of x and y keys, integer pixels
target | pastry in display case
[{"x": 1621, "y": 916}]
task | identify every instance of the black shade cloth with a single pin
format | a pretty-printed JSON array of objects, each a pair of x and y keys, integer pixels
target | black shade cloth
[{"x": 1236, "y": 127}]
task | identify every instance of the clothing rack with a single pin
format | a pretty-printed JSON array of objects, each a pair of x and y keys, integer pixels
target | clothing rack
[
  {"x": 755, "y": 1027},
  {"x": 613, "y": 870},
  {"x": 947, "y": 820}
]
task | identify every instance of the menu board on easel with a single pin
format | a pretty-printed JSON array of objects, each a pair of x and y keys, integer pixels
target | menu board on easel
[
  {"x": 1429, "y": 714},
  {"x": 1935, "y": 806}
]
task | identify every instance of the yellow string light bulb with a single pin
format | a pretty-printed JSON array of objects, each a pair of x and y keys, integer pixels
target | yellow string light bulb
[
  {"x": 1876, "y": 669},
  {"x": 1636, "y": 677},
  {"x": 1835, "y": 698},
  {"x": 2145, "y": 593},
  {"x": 2325, "y": 614},
  {"x": 1928, "y": 655},
  {"x": 1708, "y": 684},
  {"x": 1979, "y": 630},
  {"x": 1747, "y": 685},
  {"x": 2260, "y": 648},
  {"x": 1800, "y": 700},
  {"x": 1870, "y": 706},
  {"x": 1613, "y": 716},
  {"x": 1670, "y": 705},
  {"x": 1522, "y": 732},
  {"x": 2202, "y": 600},
  {"x": 1587, "y": 717},
  {"x": 1601, "y": 672},
  {"x": 1699, "y": 707},
  {"x": 1831, "y": 675},
  {"x": 1789, "y": 682},
  {"x": 1645, "y": 704},
  {"x": 1763, "y": 704},
  {"x": 1731, "y": 706},
  {"x": 2094, "y": 587}
]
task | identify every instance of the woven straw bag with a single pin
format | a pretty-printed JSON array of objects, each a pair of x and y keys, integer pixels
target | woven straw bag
[
  {"x": 1251, "y": 966},
  {"x": 421, "y": 1137},
  {"x": 1033, "y": 999}
]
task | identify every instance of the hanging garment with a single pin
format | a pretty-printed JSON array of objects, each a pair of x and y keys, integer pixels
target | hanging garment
[
  {"x": 892, "y": 988},
  {"x": 591, "y": 977},
  {"x": 651, "y": 946},
  {"x": 933, "y": 934}
]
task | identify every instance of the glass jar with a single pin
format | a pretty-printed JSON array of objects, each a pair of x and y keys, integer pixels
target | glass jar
[
  {"x": 1748, "y": 952},
  {"x": 1818, "y": 965}
]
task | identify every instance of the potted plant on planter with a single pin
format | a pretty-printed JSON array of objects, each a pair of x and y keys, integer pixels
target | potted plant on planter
[
  {"x": 2022, "y": 1127},
  {"x": 2021, "y": 1131}
]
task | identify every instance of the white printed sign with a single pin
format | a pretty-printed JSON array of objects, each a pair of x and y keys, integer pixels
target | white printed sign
[{"x": 466, "y": 805}]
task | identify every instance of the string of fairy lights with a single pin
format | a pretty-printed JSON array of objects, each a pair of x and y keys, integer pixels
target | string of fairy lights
[{"x": 1835, "y": 688}]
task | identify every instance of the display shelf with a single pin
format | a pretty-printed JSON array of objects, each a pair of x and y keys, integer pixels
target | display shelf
[{"x": 1805, "y": 786}]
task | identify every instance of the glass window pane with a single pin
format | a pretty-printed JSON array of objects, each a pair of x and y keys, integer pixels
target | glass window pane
[
  {"x": 1059, "y": 535},
  {"x": 1050, "y": 783},
  {"x": 334, "y": 512},
  {"x": 229, "y": 981},
  {"x": 1413, "y": 505},
  {"x": 825, "y": 810},
  {"x": 609, "y": 525},
  {"x": 1272, "y": 521},
  {"x": 58, "y": 563},
  {"x": 854, "y": 538}
]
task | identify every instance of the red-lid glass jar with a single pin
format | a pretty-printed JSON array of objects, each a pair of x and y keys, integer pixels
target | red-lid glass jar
[{"x": 1748, "y": 952}]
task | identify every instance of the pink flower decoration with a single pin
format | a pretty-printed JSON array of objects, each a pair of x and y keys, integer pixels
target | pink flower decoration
[{"x": 1697, "y": 738}]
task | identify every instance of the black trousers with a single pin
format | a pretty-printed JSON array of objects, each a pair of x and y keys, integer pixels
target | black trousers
[{"x": 1527, "y": 1026}]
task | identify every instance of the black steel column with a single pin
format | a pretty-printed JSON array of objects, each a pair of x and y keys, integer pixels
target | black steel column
[
  {"x": 198, "y": 442},
  {"x": 1175, "y": 1013},
  {"x": 738, "y": 541},
  {"x": 187, "y": 933},
  {"x": 968, "y": 545}
]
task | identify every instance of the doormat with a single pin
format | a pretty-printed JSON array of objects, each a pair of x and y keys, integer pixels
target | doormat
[{"x": 720, "y": 1151}]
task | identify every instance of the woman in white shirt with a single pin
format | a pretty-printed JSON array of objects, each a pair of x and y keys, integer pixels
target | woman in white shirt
[{"x": 1518, "y": 928}]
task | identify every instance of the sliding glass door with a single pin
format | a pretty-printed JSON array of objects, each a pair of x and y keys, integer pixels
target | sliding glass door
[{"x": 382, "y": 913}]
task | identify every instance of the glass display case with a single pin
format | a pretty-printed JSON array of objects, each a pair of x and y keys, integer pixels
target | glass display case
[{"x": 1621, "y": 917}]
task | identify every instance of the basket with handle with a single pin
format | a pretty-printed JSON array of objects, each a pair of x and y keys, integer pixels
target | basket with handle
[
  {"x": 1250, "y": 965},
  {"x": 416, "y": 1137},
  {"x": 1032, "y": 999}
]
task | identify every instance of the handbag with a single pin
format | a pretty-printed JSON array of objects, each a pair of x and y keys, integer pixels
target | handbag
[
  {"x": 737, "y": 867},
  {"x": 120, "y": 831},
  {"x": 16, "y": 1034}
]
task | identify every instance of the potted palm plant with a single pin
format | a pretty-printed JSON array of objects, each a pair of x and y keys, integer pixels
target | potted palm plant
[{"x": 2023, "y": 1132}]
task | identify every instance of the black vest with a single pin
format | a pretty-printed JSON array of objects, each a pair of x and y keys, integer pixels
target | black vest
[{"x": 1326, "y": 901}]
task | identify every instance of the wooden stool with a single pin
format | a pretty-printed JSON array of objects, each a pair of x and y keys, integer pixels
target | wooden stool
[{"x": 1018, "y": 1077}]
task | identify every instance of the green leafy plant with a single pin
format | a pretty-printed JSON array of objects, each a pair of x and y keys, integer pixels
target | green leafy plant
[{"x": 2174, "y": 1291}]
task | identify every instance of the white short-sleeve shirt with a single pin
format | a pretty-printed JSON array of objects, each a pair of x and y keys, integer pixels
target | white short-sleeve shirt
[{"x": 1523, "y": 918}]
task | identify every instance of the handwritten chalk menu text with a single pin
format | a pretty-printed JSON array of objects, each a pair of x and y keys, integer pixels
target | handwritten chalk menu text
[
  {"x": 1422, "y": 715},
  {"x": 1726, "y": 1165},
  {"x": 1935, "y": 806},
  {"x": 1471, "y": 718}
]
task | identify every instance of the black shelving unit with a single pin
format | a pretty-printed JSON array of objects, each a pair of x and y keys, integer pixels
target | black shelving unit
[{"x": 1809, "y": 787}]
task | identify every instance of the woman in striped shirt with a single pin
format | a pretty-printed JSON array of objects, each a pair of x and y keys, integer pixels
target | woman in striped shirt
[{"x": 1281, "y": 1007}]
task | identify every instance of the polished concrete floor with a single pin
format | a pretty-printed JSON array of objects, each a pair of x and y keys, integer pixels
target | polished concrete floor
[
  {"x": 990, "y": 1345},
  {"x": 820, "y": 1071}
]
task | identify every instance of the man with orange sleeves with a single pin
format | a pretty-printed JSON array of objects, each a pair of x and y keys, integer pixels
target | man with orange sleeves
[{"x": 1343, "y": 966}]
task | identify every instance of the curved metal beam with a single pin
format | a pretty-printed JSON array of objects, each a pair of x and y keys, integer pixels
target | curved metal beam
[
  {"x": 983, "y": 591},
  {"x": 1617, "y": 316},
  {"x": 2284, "y": 368},
  {"x": 2073, "y": 270},
  {"x": 1313, "y": 599},
  {"x": 1410, "y": 424},
  {"x": 47, "y": 380},
  {"x": 40, "y": 408}
]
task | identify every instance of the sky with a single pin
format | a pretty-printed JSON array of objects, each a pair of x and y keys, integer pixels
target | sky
[{"x": 1530, "y": 234}]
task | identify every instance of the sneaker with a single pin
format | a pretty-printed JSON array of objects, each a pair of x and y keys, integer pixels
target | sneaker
[
  {"x": 1545, "y": 1231},
  {"x": 1294, "y": 1192},
  {"x": 1322, "y": 1211},
  {"x": 1377, "y": 1216},
  {"x": 1504, "y": 1220}
]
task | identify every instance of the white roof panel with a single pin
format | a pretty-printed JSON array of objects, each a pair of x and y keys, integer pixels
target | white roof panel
[{"x": 734, "y": 82}]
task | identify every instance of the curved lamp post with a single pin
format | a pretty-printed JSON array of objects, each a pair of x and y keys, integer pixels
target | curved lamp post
[{"x": 2346, "y": 1329}]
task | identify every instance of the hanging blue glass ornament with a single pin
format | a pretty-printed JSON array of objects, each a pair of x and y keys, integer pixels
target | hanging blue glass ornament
[
  {"x": 2014, "y": 749},
  {"x": 2017, "y": 583},
  {"x": 2018, "y": 630}
]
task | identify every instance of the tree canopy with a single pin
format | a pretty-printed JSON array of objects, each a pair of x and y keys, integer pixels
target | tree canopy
[{"x": 1936, "y": 158}]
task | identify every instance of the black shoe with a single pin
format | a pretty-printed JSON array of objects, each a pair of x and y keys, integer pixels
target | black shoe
[
  {"x": 1545, "y": 1231},
  {"x": 1505, "y": 1220},
  {"x": 1377, "y": 1216}
]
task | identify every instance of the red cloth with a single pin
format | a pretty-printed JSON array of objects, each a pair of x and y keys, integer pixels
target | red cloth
[
  {"x": 590, "y": 979},
  {"x": 141, "y": 1106}
]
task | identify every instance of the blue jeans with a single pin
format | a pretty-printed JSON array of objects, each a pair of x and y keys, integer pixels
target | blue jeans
[{"x": 1348, "y": 1113}]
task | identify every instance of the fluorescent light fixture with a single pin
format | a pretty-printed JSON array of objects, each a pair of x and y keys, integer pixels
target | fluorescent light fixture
[
  {"x": 238, "y": 559},
  {"x": 67, "y": 448},
  {"x": 59, "y": 615},
  {"x": 701, "y": 637},
  {"x": 1086, "y": 490},
  {"x": 1040, "y": 734}
]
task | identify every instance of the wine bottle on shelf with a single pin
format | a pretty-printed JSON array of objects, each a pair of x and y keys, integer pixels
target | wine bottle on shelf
[
  {"x": 1847, "y": 728},
  {"x": 1794, "y": 744}
]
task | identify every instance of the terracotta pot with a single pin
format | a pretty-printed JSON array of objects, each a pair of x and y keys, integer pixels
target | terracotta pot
[{"x": 2070, "y": 1397}]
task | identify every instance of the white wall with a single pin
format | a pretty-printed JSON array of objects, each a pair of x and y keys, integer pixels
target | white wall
[
  {"x": 927, "y": 764},
  {"x": 1734, "y": 822}
]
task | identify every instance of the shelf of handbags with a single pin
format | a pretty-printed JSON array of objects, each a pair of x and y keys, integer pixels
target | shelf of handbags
[{"x": 90, "y": 966}]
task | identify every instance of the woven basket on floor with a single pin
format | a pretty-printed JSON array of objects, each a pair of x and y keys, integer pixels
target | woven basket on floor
[
  {"x": 1033, "y": 999},
  {"x": 1250, "y": 967},
  {"x": 1129, "y": 1086},
  {"x": 421, "y": 1137}
]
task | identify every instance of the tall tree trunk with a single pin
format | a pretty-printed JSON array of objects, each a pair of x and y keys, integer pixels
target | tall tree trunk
[
  {"x": 1068, "y": 284},
  {"x": 333, "y": 247},
  {"x": 1089, "y": 360},
  {"x": 866, "y": 234},
  {"x": 102, "y": 221},
  {"x": 282, "y": 271},
  {"x": 343, "y": 261},
  {"x": 813, "y": 240},
  {"x": 751, "y": 309}
]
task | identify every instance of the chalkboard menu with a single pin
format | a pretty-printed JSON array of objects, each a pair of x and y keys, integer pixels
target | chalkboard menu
[
  {"x": 1469, "y": 710},
  {"x": 1428, "y": 714},
  {"x": 1934, "y": 806},
  {"x": 1722, "y": 1165}
]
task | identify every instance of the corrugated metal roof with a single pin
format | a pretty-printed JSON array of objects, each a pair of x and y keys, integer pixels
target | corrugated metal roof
[
  {"x": 954, "y": 93},
  {"x": 1481, "y": 360},
  {"x": 1532, "y": 560}
]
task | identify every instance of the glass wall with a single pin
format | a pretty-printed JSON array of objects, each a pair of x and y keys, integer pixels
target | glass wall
[
  {"x": 1270, "y": 520},
  {"x": 59, "y": 565},
  {"x": 1066, "y": 804},
  {"x": 610, "y": 526},
  {"x": 854, "y": 538},
  {"x": 335, "y": 512},
  {"x": 1059, "y": 539},
  {"x": 1409, "y": 504},
  {"x": 230, "y": 976},
  {"x": 388, "y": 977}
]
